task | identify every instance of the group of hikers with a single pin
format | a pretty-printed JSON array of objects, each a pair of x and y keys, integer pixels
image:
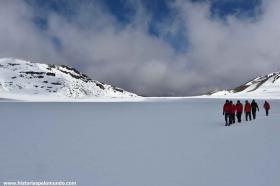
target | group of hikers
[{"x": 231, "y": 110}]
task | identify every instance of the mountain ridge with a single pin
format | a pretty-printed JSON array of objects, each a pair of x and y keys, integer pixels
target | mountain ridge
[
  {"x": 266, "y": 86},
  {"x": 21, "y": 78}
]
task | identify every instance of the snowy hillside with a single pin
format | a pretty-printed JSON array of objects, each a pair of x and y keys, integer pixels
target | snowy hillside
[
  {"x": 25, "y": 80},
  {"x": 267, "y": 86}
]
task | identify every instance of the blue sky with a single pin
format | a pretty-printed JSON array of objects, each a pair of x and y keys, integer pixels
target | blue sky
[
  {"x": 150, "y": 47},
  {"x": 124, "y": 11},
  {"x": 159, "y": 9}
]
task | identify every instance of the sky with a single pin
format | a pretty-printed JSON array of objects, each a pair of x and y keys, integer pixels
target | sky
[{"x": 150, "y": 47}]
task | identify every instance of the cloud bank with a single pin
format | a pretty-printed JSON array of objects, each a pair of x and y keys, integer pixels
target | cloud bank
[{"x": 218, "y": 53}]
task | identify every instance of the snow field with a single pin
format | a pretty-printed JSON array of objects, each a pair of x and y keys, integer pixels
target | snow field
[{"x": 177, "y": 142}]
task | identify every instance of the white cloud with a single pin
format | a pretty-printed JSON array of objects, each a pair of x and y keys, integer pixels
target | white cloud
[{"x": 219, "y": 53}]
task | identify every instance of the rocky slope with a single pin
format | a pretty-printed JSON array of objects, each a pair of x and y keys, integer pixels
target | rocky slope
[
  {"x": 267, "y": 86},
  {"x": 27, "y": 80}
]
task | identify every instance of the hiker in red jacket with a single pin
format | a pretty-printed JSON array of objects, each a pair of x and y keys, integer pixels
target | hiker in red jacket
[
  {"x": 226, "y": 112},
  {"x": 266, "y": 106},
  {"x": 232, "y": 112},
  {"x": 239, "y": 111},
  {"x": 247, "y": 110}
]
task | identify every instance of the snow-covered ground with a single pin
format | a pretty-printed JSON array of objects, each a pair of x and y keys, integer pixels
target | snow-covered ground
[{"x": 180, "y": 142}]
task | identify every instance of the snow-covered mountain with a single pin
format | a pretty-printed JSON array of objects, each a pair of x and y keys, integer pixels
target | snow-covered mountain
[
  {"x": 26, "y": 80},
  {"x": 267, "y": 86}
]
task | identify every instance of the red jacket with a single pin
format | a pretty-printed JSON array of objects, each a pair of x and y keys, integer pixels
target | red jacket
[
  {"x": 227, "y": 108},
  {"x": 247, "y": 107},
  {"x": 239, "y": 108},
  {"x": 233, "y": 109},
  {"x": 266, "y": 106}
]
